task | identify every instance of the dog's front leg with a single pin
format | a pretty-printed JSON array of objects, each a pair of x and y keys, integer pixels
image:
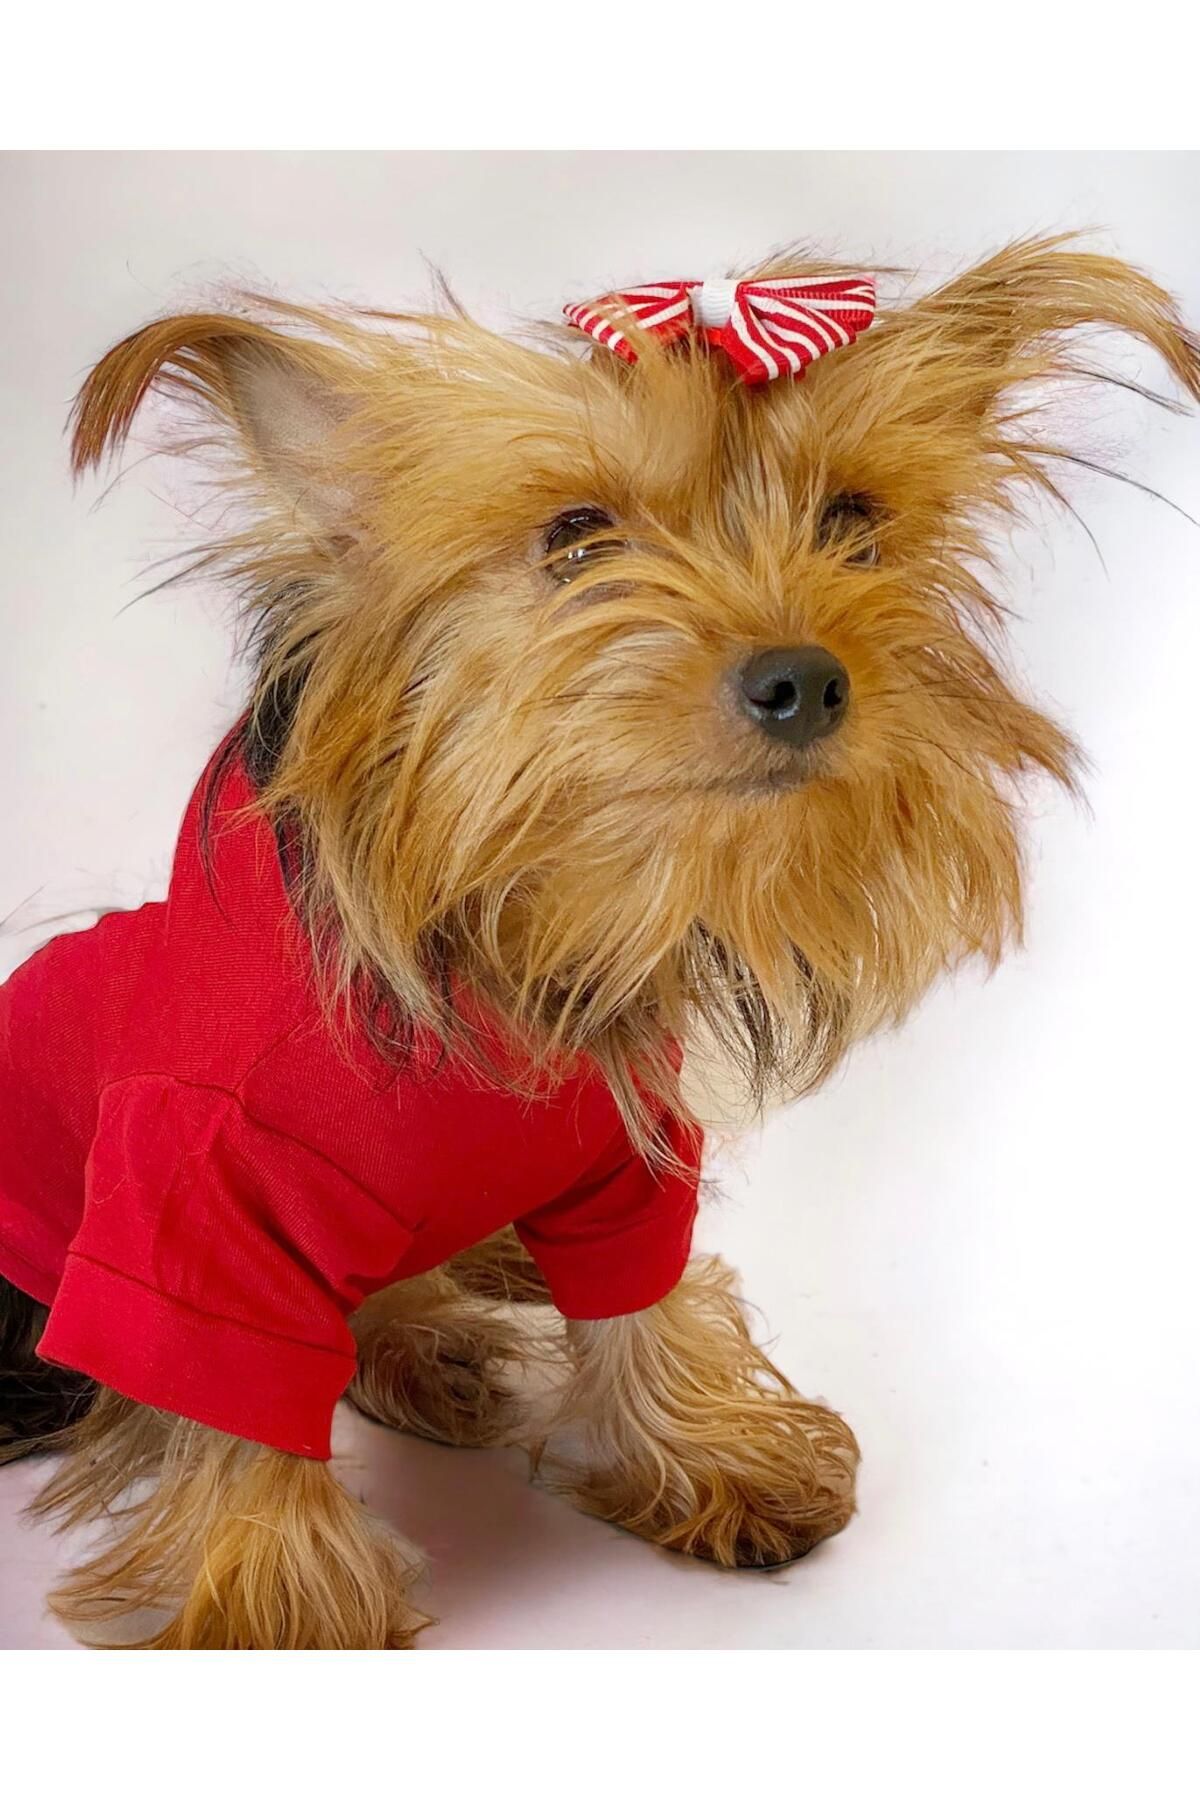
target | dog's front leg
[
  {"x": 677, "y": 1427},
  {"x": 234, "y": 1546}
]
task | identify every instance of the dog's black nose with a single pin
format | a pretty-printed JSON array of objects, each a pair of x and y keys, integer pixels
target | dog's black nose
[{"x": 796, "y": 695}]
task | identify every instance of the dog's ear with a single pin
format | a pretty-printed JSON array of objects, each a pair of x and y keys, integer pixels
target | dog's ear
[
  {"x": 282, "y": 398},
  {"x": 1016, "y": 317}
]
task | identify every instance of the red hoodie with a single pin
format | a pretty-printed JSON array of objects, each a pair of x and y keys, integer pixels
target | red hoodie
[{"x": 202, "y": 1181}]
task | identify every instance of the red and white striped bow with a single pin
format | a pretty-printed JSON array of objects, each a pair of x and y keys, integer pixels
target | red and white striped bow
[{"x": 766, "y": 328}]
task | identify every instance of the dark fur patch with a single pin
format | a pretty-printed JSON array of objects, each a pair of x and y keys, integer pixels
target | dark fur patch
[{"x": 37, "y": 1399}]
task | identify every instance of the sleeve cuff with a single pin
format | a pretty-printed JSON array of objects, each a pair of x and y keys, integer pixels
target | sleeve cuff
[
  {"x": 611, "y": 1276},
  {"x": 161, "y": 1352}
]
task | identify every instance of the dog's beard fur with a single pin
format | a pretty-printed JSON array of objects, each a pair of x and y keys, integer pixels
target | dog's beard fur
[{"x": 540, "y": 795}]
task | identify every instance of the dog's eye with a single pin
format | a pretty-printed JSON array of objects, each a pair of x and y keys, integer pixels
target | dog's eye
[
  {"x": 849, "y": 520},
  {"x": 576, "y": 538}
]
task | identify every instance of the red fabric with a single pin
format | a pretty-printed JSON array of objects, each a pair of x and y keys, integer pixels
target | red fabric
[{"x": 202, "y": 1182}]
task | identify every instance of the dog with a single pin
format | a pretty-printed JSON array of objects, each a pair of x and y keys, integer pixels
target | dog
[{"x": 627, "y": 686}]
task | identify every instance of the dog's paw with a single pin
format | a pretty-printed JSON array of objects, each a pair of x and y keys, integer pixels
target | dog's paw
[
  {"x": 447, "y": 1379},
  {"x": 762, "y": 1494}
]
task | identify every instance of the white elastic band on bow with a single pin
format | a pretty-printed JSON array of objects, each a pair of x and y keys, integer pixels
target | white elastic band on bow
[{"x": 712, "y": 302}]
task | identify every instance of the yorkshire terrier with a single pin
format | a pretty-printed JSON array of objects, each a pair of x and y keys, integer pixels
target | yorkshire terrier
[{"x": 630, "y": 686}]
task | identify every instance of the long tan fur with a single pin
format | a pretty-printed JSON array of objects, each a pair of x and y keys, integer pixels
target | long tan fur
[
  {"x": 545, "y": 795},
  {"x": 691, "y": 1437},
  {"x": 230, "y": 1547},
  {"x": 439, "y": 1361}
]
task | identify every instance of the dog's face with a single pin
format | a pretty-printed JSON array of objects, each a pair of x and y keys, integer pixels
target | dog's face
[{"x": 629, "y": 695}]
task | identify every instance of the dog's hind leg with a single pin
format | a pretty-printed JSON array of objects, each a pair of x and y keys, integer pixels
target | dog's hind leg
[
  {"x": 436, "y": 1359},
  {"x": 230, "y": 1546},
  {"x": 37, "y": 1399},
  {"x": 500, "y": 1269}
]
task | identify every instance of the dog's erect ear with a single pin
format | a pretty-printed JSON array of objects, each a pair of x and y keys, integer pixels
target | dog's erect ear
[
  {"x": 1014, "y": 317},
  {"x": 283, "y": 397}
]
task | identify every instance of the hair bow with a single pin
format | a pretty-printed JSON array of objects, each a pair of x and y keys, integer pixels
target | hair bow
[{"x": 766, "y": 328}]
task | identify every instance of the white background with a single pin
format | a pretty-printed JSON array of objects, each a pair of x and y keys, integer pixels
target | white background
[{"x": 980, "y": 1242}]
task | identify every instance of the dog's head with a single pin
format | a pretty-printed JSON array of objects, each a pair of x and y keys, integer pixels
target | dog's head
[{"x": 631, "y": 696}]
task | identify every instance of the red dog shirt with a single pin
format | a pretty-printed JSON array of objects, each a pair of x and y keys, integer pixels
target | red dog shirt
[{"x": 202, "y": 1182}]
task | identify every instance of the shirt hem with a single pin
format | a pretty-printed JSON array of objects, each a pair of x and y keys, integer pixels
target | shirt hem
[{"x": 163, "y": 1353}]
